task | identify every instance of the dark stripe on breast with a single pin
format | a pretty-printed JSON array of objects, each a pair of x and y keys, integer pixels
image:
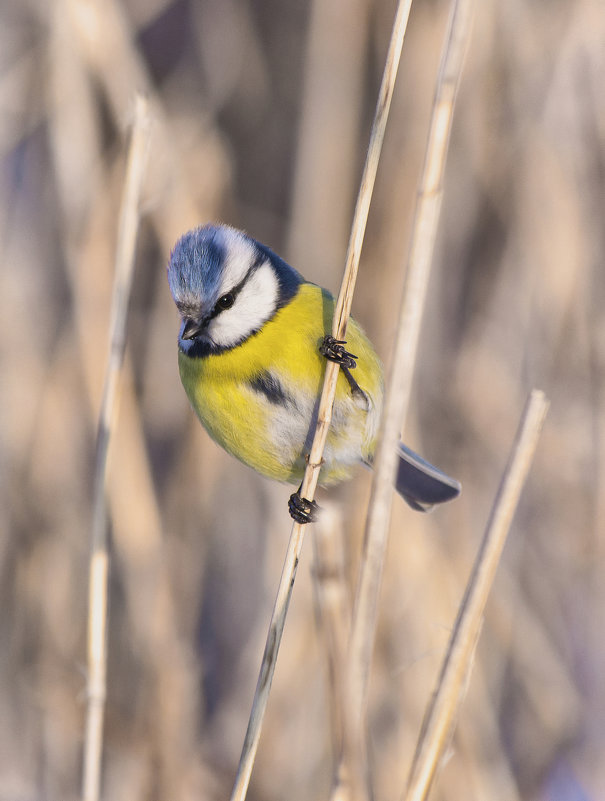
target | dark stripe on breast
[{"x": 269, "y": 386}]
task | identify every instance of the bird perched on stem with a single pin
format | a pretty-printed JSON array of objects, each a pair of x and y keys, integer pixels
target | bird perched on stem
[{"x": 252, "y": 343}]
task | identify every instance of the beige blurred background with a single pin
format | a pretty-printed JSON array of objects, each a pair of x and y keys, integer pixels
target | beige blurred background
[{"x": 261, "y": 118}]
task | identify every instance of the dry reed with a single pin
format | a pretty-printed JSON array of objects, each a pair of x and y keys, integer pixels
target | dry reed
[
  {"x": 424, "y": 232},
  {"x": 99, "y": 557},
  {"x": 324, "y": 414},
  {"x": 439, "y": 720}
]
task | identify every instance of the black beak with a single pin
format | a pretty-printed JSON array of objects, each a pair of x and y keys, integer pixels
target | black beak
[{"x": 191, "y": 329}]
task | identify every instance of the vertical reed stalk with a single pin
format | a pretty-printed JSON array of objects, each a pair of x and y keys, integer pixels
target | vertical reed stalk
[
  {"x": 309, "y": 485},
  {"x": 333, "y": 605},
  {"x": 99, "y": 557},
  {"x": 439, "y": 720},
  {"x": 398, "y": 387}
]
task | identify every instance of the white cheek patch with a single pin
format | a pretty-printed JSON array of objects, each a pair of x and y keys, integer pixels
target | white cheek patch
[{"x": 254, "y": 305}]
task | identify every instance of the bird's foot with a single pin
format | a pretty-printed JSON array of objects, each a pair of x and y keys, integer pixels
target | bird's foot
[
  {"x": 333, "y": 350},
  {"x": 302, "y": 510}
]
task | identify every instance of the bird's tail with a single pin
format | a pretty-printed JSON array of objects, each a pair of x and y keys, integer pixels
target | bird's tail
[{"x": 421, "y": 484}]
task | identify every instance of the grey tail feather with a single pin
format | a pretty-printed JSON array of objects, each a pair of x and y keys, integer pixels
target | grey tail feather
[{"x": 421, "y": 484}]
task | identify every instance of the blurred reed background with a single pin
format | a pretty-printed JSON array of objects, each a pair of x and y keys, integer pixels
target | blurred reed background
[{"x": 261, "y": 116}]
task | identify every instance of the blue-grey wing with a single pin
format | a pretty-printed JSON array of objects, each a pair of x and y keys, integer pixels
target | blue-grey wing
[{"x": 422, "y": 484}]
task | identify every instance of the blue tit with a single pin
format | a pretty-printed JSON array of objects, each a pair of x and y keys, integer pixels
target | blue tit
[{"x": 252, "y": 343}]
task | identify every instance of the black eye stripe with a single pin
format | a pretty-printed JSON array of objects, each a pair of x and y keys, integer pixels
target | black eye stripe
[{"x": 233, "y": 293}]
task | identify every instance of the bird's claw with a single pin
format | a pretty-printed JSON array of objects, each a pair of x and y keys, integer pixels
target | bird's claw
[
  {"x": 302, "y": 510},
  {"x": 333, "y": 350}
]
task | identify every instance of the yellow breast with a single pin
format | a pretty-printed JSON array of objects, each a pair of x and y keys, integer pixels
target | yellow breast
[{"x": 259, "y": 400}]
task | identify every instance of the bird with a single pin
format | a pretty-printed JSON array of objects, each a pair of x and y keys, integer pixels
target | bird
[{"x": 252, "y": 344}]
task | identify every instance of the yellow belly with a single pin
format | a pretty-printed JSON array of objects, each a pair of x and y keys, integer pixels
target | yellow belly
[{"x": 269, "y": 426}]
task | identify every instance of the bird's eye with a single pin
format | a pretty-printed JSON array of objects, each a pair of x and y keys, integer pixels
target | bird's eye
[{"x": 226, "y": 301}]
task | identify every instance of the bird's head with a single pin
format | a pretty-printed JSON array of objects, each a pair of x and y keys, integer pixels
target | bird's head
[{"x": 226, "y": 286}]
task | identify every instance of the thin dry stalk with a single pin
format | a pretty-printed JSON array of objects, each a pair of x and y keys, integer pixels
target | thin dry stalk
[
  {"x": 99, "y": 558},
  {"x": 267, "y": 669},
  {"x": 439, "y": 719},
  {"x": 398, "y": 390},
  {"x": 309, "y": 484},
  {"x": 334, "y": 608},
  {"x": 333, "y": 604}
]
